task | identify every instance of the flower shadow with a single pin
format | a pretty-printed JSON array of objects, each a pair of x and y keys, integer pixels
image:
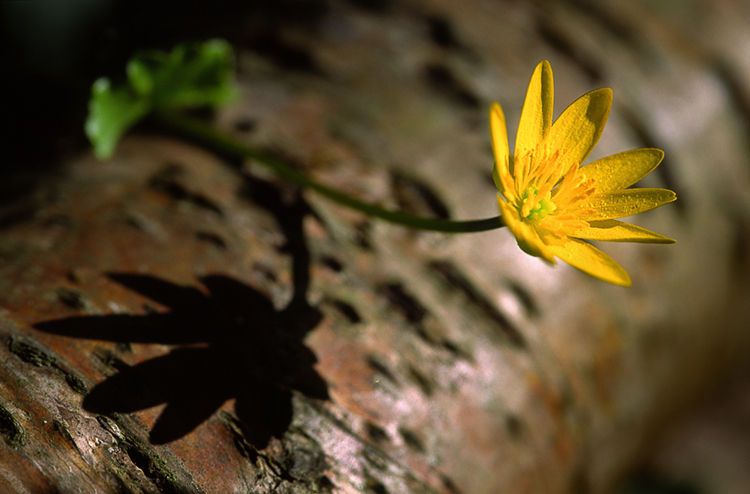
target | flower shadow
[{"x": 230, "y": 343}]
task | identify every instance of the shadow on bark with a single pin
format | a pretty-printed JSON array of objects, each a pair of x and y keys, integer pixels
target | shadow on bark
[{"x": 232, "y": 343}]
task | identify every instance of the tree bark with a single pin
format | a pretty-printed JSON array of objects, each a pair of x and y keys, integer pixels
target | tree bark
[{"x": 175, "y": 321}]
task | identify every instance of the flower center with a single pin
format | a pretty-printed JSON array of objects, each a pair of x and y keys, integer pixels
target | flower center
[{"x": 536, "y": 207}]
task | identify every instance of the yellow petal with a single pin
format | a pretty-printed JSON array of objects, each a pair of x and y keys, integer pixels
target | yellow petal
[
  {"x": 622, "y": 170},
  {"x": 536, "y": 115},
  {"x": 617, "y": 231},
  {"x": 591, "y": 261},
  {"x": 623, "y": 203},
  {"x": 578, "y": 129},
  {"x": 527, "y": 237},
  {"x": 496, "y": 178},
  {"x": 499, "y": 135}
]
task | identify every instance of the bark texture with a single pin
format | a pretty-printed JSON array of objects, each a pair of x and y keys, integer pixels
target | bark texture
[{"x": 177, "y": 322}]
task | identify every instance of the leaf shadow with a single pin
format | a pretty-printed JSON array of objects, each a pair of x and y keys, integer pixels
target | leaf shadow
[{"x": 230, "y": 343}]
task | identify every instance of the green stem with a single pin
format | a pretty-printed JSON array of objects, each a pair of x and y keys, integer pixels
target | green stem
[{"x": 209, "y": 136}]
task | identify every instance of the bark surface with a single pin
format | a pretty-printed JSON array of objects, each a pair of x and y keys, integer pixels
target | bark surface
[{"x": 174, "y": 321}]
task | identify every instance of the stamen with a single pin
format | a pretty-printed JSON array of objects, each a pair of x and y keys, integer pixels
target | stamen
[
  {"x": 574, "y": 189},
  {"x": 521, "y": 169},
  {"x": 508, "y": 185},
  {"x": 536, "y": 206}
]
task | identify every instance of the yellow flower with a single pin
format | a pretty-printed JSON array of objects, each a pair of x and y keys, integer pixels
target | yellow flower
[{"x": 552, "y": 204}]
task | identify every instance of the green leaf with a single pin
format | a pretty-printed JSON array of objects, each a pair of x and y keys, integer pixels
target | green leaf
[
  {"x": 191, "y": 75},
  {"x": 111, "y": 113},
  {"x": 140, "y": 77}
]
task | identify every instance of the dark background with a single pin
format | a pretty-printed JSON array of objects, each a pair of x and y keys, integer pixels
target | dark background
[{"x": 52, "y": 51}]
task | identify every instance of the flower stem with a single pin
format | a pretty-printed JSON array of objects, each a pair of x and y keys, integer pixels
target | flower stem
[{"x": 207, "y": 135}]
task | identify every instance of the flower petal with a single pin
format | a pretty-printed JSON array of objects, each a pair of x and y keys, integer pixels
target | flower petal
[
  {"x": 591, "y": 261},
  {"x": 618, "y": 231},
  {"x": 622, "y": 170},
  {"x": 623, "y": 203},
  {"x": 578, "y": 129},
  {"x": 528, "y": 238},
  {"x": 499, "y": 136},
  {"x": 536, "y": 115}
]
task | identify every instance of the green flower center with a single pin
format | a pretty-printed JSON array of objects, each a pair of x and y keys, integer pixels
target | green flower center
[{"x": 535, "y": 208}]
